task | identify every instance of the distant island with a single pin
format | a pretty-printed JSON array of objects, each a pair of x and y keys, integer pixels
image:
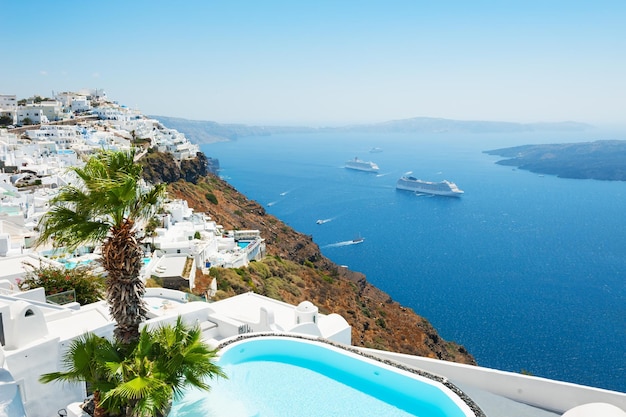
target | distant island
[
  {"x": 199, "y": 131},
  {"x": 599, "y": 160}
]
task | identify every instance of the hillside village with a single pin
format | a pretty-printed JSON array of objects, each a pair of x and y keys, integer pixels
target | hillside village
[
  {"x": 39, "y": 141},
  {"x": 34, "y": 159},
  {"x": 41, "y": 138}
]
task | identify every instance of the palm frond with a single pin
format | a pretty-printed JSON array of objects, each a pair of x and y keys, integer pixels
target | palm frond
[{"x": 85, "y": 360}]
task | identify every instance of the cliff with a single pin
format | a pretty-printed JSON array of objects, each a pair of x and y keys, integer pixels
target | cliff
[{"x": 295, "y": 270}]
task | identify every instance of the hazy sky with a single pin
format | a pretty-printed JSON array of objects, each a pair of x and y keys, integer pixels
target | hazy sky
[{"x": 323, "y": 62}]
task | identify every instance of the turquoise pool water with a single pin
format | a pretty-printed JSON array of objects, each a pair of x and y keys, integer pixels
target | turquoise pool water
[
  {"x": 74, "y": 264},
  {"x": 278, "y": 377},
  {"x": 243, "y": 245}
]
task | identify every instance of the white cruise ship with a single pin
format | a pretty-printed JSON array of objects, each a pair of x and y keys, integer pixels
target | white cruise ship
[
  {"x": 444, "y": 187},
  {"x": 360, "y": 165}
]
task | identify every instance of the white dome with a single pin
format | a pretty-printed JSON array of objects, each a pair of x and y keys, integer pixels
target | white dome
[{"x": 306, "y": 306}]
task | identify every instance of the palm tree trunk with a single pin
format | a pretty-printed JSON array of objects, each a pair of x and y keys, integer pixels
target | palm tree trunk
[
  {"x": 121, "y": 258},
  {"x": 97, "y": 410}
]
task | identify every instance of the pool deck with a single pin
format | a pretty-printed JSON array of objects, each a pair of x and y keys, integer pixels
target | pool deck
[
  {"x": 494, "y": 405},
  {"x": 508, "y": 394}
]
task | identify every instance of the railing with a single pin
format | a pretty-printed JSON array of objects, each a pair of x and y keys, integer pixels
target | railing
[{"x": 62, "y": 298}]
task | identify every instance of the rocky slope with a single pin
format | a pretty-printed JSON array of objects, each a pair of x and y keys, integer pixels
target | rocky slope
[{"x": 295, "y": 270}]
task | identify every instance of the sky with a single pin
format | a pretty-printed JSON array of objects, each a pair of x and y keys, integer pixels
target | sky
[{"x": 326, "y": 63}]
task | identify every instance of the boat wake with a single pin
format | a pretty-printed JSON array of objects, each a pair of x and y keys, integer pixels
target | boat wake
[
  {"x": 344, "y": 243},
  {"x": 322, "y": 221},
  {"x": 383, "y": 174},
  {"x": 271, "y": 203}
]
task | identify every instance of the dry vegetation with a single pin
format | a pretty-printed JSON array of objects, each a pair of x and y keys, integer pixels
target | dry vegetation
[{"x": 294, "y": 270}]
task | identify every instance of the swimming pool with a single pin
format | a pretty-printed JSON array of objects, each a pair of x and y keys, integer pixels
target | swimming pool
[
  {"x": 277, "y": 376},
  {"x": 73, "y": 264},
  {"x": 243, "y": 244}
]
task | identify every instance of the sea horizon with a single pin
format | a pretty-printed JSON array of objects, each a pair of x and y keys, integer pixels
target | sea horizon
[{"x": 525, "y": 271}]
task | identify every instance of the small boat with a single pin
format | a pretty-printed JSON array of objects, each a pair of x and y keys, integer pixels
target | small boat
[
  {"x": 358, "y": 239},
  {"x": 376, "y": 150},
  {"x": 322, "y": 221}
]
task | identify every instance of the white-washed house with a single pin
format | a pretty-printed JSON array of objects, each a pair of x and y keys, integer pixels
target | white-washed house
[
  {"x": 8, "y": 106},
  {"x": 63, "y": 136},
  {"x": 35, "y": 114}
]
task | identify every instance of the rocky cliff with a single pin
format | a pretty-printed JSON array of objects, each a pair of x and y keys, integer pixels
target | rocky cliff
[{"x": 295, "y": 270}]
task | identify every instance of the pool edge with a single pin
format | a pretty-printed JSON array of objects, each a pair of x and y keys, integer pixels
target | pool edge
[{"x": 478, "y": 412}]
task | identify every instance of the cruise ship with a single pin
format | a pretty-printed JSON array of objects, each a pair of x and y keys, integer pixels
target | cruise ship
[
  {"x": 444, "y": 187},
  {"x": 360, "y": 165}
]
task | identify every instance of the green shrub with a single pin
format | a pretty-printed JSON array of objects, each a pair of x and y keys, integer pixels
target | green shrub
[
  {"x": 88, "y": 286},
  {"x": 328, "y": 279},
  {"x": 211, "y": 198}
]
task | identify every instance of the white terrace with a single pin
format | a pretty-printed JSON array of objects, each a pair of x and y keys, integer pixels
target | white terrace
[{"x": 35, "y": 334}]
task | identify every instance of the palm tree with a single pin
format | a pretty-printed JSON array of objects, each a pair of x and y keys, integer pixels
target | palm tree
[
  {"x": 143, "y": 381},
  {"x": 139, "y": 373},
  {"x": 106, "y": 207},
  {"x": 164, "y": 362},
  {"x": 85, "y": 360}
]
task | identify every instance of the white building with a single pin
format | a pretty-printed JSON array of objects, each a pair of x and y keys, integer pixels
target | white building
[
  {"x": 93, "y": 94},
  {"x": 9, "y": 142},
  {"x": 74, "y": 101},
  {"x": 41, "y": 112},
  {"x": 188, "y": 237},
  {"x": 35, "y": 114},
  {"x": 65, "y": 137},
  {"x": 116, "y": 113},
  {"x": 8, "y": 106},
  {"x": 172, "y": 141}
]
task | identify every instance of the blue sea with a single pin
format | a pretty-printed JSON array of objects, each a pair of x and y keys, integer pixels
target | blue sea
[{"x": 526, "y": 271}]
